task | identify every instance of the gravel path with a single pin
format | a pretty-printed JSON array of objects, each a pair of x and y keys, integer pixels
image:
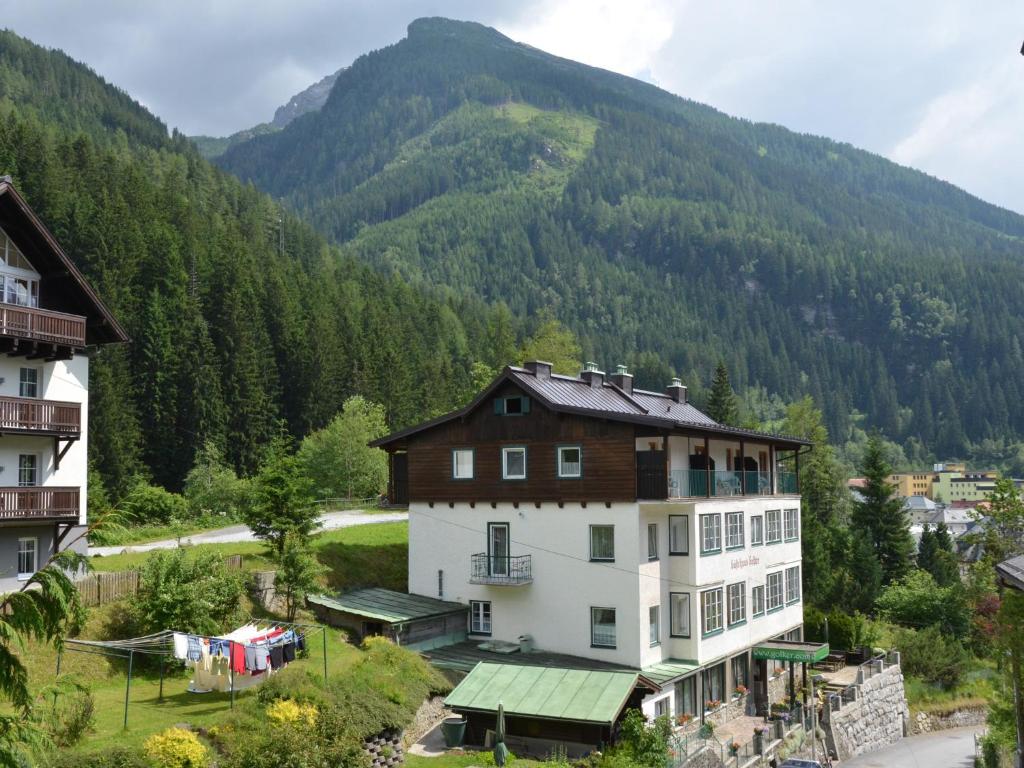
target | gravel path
[{"x": 329, "y": 521}]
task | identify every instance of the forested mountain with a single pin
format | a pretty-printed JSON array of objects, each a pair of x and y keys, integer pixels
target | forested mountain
[
  {"x": 646, "y": 222},
  {"x": 243, "y": 320}
]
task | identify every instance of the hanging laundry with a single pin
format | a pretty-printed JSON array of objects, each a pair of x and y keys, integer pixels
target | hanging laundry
[
  {"x": 250, "y": 658},
  {"x": 262, "y": 659},
  {"x": 180, "y": 645},
  {"x": 288, "y": 651},
  {"x": 300, "y": 643},
  {"x": 277, "y": 657},
  {"x": 195, "y": 648},
  {"x": 237, "y": 658}
]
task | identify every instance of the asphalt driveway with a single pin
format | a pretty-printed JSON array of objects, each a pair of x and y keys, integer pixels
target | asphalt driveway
[{"x": 940, "y": 749}]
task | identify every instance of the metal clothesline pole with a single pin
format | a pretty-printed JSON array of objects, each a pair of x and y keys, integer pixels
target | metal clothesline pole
[{"x": 128, "y": 687}]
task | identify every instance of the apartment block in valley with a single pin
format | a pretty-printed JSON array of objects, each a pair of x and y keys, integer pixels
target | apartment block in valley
[
  {"x": 51, "y": 320},
  {"x": 609, "y": 523}
]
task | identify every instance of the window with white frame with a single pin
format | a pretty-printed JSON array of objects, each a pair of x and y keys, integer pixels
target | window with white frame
[
  {"x": 733, "y": 530},
  {"x": 757, "y": 600},
  {"x": 28, "y": 382},
  {"x": 711, "y": 610},
  {"x": 773, "y": 522},
  {"x": 757, "y": 529},
  {"x": 661, "y": 707},
  {"x": 480, "y": 617},
  {"x": 793, "y": 584},
  {"x": 710, "y": 533},
  {"x": 602, "y": 627},
  {"x": 774, "y": 590},
  {"x": 462, "y": 464},
  {"x": 679, "y": 614},
  {"x": 679, "y": 534},
  {"x": 602, "y": 542},
  {"x": 652, "y": 541},
  {"x": 570, "y": 461},
  {"x": 654, "y": 624},
  {"x": 28, "y": 470},
  {"x": 792, "y": 517},
  {"x": 28, "y": 556},
  {"x": 513, "y": 463},
  {"x": 737, "y": 603}
]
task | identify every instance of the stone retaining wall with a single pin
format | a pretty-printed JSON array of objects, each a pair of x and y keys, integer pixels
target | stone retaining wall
[
  {"x": 925, "y": 722},
  {"x": 877, "y": 718}
]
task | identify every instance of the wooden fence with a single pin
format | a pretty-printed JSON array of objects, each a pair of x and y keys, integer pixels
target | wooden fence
[{"x": 107, "y": 587}]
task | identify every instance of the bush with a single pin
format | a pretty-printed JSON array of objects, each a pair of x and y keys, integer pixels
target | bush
[
  {"x": 337, "y": 457},
  {"x": 176, "y": 748},
  {"x": 71, "y": 718},
  {"x": 917, "y": 601},
  {"x": 643, "y": 744},
  {"x": 147, "y": 503},
  {"x": 115, "y": 757},
  {"x": 212, "y": 489},
  {"x": 845, "y": 631},
  {"x": 931, "y": 655}
]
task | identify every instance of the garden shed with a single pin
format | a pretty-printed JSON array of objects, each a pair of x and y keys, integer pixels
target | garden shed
[{"x": 412, "y": 621}]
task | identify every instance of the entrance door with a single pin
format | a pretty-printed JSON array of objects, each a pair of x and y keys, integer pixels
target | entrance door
[
  {"x": 760, "y": 687},
  {"x": 497, "y": 548},
  {"x": 400, "y": 479},
  {"x": 651, "y": 480}
]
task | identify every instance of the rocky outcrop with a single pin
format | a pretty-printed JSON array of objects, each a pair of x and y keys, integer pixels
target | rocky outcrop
[{"x": 876, "y": 718}]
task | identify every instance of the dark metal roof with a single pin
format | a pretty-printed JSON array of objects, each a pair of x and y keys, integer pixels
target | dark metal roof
[
  {"x": 567, "y": 394},
  {"x": 1011, "y": 572}
]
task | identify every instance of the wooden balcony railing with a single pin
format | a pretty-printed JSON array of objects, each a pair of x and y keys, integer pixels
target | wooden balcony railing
[
  {"x": 42, "y": 325},
  {"x": 49, "y": 416},
  {"x": 38, "y": 503}
]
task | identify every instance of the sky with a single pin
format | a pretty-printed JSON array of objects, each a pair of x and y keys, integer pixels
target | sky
[{"x": 934, "y": 84}]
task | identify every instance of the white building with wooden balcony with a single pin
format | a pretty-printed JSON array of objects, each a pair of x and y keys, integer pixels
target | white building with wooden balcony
[
  {"x": 611, "y": 524},
  {"x": 50, "y": 322}
]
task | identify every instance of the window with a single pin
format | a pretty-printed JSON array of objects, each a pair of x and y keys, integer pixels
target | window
[
  {"x": 792, "y": 524},
  {"x": 480, "y": 617},
  {"x": 711, "y": 611},
  {"x": 602, "y": 542},
  {"x": 513, "y": 463},
  {"x": 737, "y": 603},
  {"x": 11, "y": 256},
  {"x": 497, "y": 549},
  {"x": 679, "y": 534},
  {"x": 602, "y": 627},
  {"x": 710, "y": 533},
  {"x": 512, "y": 406},
  {"x": 20, "y": 291},
  {"x": 462, "y": 464},
  {"x": 654, "y": 622},
  {"x": 774, "y": 591},
  {"x": 679, "y": 614},
  {"x": 774, "y": 522},
  {"x": 652, "y": 541},
  {"x": 734, "y": 530},
  {"x": 686, "y": 696},
  {"x": 570, "y": 461},
  {"x": 757, "y": 529},
  {"x": 757, "y": 600},
  {"x": 714, "y": 683},
  {"x": 793, "y": 584},
  {"x": 28, "y": 549},
  {"x": 28, "y": 470},
  {"x": 739, "y": 671},
  {"x": 28, "y": 382},
  {"x": 661, "y": 707}
]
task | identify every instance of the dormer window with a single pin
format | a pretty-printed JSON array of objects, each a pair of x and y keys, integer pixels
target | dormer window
[
  {"x": 512, "y": 406},
  {"x": 19, "y": 282}
]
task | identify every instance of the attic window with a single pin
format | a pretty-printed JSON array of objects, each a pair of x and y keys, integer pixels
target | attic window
[
  {"x": 512, "y": 406},
  {"x": 11, "y": 256}
]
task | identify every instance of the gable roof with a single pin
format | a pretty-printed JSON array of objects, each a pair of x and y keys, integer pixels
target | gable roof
[
  {"x": 569, "y": 394},
  {"x": 64, "y": 284}
]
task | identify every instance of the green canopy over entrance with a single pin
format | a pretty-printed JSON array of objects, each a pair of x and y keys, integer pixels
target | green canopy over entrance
[{"x": 790, "y": 650}]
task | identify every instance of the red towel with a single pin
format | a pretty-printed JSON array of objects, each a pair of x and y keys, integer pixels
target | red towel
[{"x": 237, "y": 658}]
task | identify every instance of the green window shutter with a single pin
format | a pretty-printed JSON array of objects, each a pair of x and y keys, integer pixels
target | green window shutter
[
  {"x": 499, "y": 406},
  {"x": 526, "y": 404}
]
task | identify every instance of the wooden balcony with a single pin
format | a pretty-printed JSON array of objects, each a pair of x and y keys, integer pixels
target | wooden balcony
[
  {"x": 38, "y": 503},
  {"x": 43, "y": 417},
  {"x": 42, "y": 325}
]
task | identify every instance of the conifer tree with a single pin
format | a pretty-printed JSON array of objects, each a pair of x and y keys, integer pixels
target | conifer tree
[
  {"x": 722, "y": 404},
  {"x": 880, "y": 517}
]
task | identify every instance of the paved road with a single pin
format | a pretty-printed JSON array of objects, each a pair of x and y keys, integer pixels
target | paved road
[
  {"x": 942, "y": 749},
  {"x": 328, "y": 521}
]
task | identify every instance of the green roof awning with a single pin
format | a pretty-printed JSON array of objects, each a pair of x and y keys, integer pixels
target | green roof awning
[
  {"x": 669, "y": 670},
  {"x": 579, "y": 695},
  {"x": 787, "y": 650},
  {"x": 387, "y": 605}
]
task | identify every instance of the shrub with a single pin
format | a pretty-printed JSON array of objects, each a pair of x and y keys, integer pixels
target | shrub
[
  {"x": 337, "y": 457},
  {"x": 917, "y": 600},
  {"x": 849, "y": 632},
  {"x": 213, "y": 489},
  {"x": 643, "y": 744},
  {"x": 176, "y": 748},
  {"x": 931, "y": 655},
  {"x": 292, "y": 712},
  {"x": 147, "y": 503},
  {"x": 71, "y": 718}
]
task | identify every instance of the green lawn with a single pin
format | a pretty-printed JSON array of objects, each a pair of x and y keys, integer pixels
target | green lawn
[{"x": 465, "y": 759}]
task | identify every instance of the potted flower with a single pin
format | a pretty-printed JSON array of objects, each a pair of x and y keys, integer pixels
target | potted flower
[
  {"x": 684, "y": 719},
  {"x": 741, "y": 690},
  {"x": 780, "y": 725},
  {"x": 760, "y": 739},
  {"x": 734, "y": 748}
]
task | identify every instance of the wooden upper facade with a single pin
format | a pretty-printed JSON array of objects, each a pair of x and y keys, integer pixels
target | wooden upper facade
[{"x": 534, "y": 436}]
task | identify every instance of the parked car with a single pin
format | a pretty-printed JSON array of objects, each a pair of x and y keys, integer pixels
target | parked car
[{"x": 795, "y": 763}]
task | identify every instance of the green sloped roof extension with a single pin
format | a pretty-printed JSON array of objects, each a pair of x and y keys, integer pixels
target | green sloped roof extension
[
  {"x": 669, "y": 670},
  {"x": 579, "y": 695},
  {"x": 386, "y": 605}
]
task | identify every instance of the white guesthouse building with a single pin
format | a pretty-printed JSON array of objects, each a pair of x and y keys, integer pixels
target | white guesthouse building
[
  {"x": 50, "y": 321},
  {"x": 610, "y": 524}
]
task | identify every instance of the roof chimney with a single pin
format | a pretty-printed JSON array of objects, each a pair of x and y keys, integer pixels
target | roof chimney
[
  {"x": 592, "y": 375},
  {"x": 622, "y": 379},
  {"x": 539, "y": 368},
  {"x": 676, "y": 390}
]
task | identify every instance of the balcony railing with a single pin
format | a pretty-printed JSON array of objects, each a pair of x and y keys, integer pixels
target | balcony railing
[
  {"x": 48, "y": 416},
  {"x": 501, "y": 570},
  {"x": 38, "y": 503},
  {"x": 788, "y": 483},
  {"x": 684, "y": 483},
  {"x": 42, "y": 325}
]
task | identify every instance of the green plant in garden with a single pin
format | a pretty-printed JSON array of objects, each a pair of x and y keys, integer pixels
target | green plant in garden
[
  {"x": 176, "y": 748},
  {"x": 213, "y": 489},
  {"x": 298, "y": 572},
  {"x": 337, "y": 457},
  {"x": 282, "y": 498}
]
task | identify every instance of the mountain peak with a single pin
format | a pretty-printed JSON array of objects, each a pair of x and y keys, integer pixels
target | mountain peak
[{"x": 439, "y": 26}]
